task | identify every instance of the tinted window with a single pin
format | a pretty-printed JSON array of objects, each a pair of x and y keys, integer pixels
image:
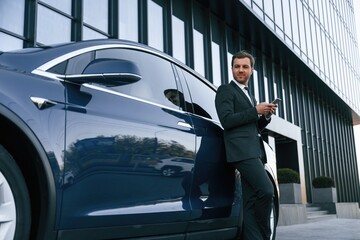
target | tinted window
[
  {"x": 202, "y": 96},
  {"x": 157, "y": 75},
  {"x": 74, "y": 65}
]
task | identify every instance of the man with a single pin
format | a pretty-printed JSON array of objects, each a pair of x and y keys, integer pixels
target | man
[{"x": 243, "y": 120}]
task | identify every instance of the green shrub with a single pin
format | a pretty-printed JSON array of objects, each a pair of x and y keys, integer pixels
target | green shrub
[
  {"x": 323, "y": 182},
  {"x": 287, "y": 175}
]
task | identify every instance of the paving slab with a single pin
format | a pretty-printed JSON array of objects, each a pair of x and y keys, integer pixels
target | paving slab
[{"x": 333, "y": 229}]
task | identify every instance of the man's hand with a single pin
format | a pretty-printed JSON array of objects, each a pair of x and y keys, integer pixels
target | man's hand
[{"x": 266, "y": 109}]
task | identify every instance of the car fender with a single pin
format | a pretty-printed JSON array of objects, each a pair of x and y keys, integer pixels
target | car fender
[{"x": 47, "y": 216}]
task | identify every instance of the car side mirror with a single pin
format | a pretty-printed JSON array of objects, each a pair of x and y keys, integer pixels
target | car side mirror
[{"x": 109, "y": 72}]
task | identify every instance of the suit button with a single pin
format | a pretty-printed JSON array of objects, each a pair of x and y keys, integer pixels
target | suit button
[{"x": 259, "y": 135}]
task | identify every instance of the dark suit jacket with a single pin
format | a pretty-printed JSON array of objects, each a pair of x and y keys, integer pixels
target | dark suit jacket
[{"x": 242, "y": 125}]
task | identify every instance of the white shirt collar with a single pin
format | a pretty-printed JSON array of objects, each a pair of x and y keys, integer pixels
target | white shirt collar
[
  {"x": 239, "y": 84},
  {"x": 242, "y": 87}
]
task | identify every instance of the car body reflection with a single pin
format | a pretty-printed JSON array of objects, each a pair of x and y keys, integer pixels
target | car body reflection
[{"x": 174, "y": 166}]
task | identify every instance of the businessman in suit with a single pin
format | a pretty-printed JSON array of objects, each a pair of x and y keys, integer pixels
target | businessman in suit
[{"x": 243, "y": 120}]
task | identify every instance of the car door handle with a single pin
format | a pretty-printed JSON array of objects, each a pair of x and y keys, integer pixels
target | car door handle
[{"x": 184, "y": 124}]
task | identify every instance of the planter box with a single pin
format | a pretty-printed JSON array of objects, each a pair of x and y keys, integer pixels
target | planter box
[
  {"x": 324, "y": 195},
  {"x": 290, "y": 193}
]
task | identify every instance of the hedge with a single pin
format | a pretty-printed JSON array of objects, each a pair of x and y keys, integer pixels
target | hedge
[
  {"x": 287, "y": 175},
  {"x": 323, "y": 182}
]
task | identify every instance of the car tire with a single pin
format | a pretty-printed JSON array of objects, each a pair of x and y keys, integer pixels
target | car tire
[{"x": 14, "y": 201}]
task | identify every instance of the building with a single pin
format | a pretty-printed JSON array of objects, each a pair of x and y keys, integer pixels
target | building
[{"x": 306, "y": 53}]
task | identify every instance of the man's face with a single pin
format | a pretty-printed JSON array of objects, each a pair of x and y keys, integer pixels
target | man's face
[{"x": 242, "y": 70}]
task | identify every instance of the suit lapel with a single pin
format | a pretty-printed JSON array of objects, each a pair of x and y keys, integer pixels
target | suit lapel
[{"x": 242, "y": 94}]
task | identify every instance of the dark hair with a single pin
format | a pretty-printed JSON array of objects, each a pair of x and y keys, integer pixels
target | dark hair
[{"x": 243, "y": 54}]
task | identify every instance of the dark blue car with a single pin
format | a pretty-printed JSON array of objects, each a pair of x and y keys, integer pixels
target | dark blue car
[{"x": 83, "y": 129}]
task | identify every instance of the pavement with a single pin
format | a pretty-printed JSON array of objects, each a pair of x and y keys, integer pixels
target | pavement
[{"x": 332, "y": 229}]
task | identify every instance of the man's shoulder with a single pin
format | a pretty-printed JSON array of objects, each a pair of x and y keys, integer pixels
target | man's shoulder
[{"x": 225, "y": 86}]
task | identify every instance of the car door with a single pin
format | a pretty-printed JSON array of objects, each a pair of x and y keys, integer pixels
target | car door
[
  {"x": 115, "y": 136},
  {"x": 213, "y": 186}
]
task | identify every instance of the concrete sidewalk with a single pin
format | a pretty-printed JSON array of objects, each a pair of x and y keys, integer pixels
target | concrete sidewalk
[{"x": 333, "y": 229}]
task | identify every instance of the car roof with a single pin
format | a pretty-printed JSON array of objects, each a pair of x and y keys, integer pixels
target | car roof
[{"x": 28, "y": 59}]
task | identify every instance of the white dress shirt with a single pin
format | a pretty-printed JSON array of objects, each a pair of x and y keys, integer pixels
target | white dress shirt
[{"x": 242, "y": 87}]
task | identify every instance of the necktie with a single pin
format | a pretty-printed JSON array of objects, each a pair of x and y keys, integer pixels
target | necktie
[{"x": 249, "y": 95}]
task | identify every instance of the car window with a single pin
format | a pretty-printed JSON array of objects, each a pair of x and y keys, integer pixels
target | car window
[
  {"x": 186, "y": 160},
  {"x": 75, "y": 65},
  {"x": 157, "y": 75},
  {"x": 156, "y": 85},
  {"x": 202, "y": 96}
]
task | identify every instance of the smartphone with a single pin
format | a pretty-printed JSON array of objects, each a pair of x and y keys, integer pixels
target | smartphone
[{"x": 276, "y": 101}]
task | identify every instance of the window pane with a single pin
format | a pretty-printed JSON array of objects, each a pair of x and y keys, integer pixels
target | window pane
[
  {"x": 278, "y": 14},
  {"x": 199, "y": 56},
  {"x": 258, "y": 8},
  {"x": 198, "y": 38},
  {"x": 216, "y": 71},
  {"x": 96, "y": 14},
  {"x": 178, "y": 30},
  {"x": 314, "y": 40},
  {"x": 233, "y": 47},
  {"x": 178, "y": 36},
  {"x": 302, "y": 28},
  {"x": 259, "y": 3},
  {"x": 268, "y": 7},
  {"x": 294, "y": 21},
  {"x": 52, "y": 27},
  {"x": 266, "y": 89},
  {"x": 128, "y": 18},
  {"x": 200, "y": 93},
  {"x": 77, "y": 64},
  {"x": 152, "y": 85},
  {"x": 12, "y": 15},
  {"x": 308, "y": 33},
  {"x": 155, "y": 26},
  {"x": 230, "y": 75},
  {"x": 321, "y": 60},
  {"x": 284, "y": 103},
  {"x": 256, "y": 86},
  {"x": 91, "y": 34},
  {"x": 215, "y": 51},
  {"x": 63, "y": 5},
  {"x": 9, "y": 43},
  {"x": 287, "y": 22}
]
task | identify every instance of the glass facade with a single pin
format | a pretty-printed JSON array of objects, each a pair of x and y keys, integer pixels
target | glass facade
[
  {"x": 128, "y": 20},
  {"x": 323, "y": 34},
  {"x": 58, "y": 32},
  {"x": 306, "y": 53}
]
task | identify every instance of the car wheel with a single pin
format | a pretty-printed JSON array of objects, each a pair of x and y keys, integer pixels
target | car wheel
[
  {"x": 169, "y": 171},
  {"x": 14, "y": 200},
  {"x": 273, "y": 223}
]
